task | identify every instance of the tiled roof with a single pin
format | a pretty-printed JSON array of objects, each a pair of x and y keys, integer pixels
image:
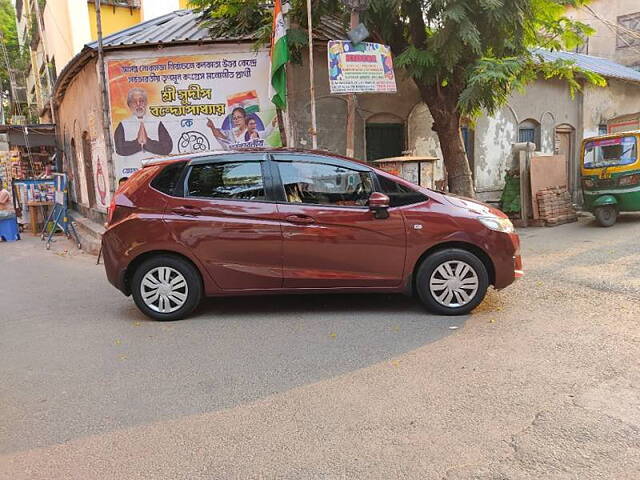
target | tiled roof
[{"x": 606, "y": 68}]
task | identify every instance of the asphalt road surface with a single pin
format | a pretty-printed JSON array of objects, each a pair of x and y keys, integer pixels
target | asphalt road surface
[{"x": 540, "y": 382}]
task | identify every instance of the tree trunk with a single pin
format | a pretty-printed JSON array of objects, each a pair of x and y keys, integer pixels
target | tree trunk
[{"x": 446, "y": 123}]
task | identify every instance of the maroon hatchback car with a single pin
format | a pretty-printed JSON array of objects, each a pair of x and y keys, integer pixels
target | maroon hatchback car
[{"x": 285, "y": 221}]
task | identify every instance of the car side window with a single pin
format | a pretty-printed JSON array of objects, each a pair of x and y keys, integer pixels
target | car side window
[
  {"x": 324, "y": 184},
  {"x": 399, "y": 195},
  {"x": 237, "y": 180},
  {"x": 167, "y": 180}
]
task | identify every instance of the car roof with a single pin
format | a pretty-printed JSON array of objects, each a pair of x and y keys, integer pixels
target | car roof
[{"x": 175, "y": 157}]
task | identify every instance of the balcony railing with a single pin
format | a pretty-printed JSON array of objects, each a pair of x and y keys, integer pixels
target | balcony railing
[{"x": 119, "y": 3}]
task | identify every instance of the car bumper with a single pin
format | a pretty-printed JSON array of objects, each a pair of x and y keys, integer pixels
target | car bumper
[
  {"x": 113, "y": 265},
  {"x": 507, "y": 261}
]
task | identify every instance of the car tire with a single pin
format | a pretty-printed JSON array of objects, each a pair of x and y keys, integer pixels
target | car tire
[
  {"x": 606, "y": 216},
  {"x": 451, "y": 282},
  {"x": 166, "y": 287}
]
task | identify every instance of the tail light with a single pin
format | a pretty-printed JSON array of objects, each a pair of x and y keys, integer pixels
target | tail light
[
  {"x": 628, "y": 180},
  {"x": 116, "y": 213}
]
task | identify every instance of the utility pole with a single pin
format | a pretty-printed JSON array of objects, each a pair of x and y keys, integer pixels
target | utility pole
[
  {"x": 352, "y": 101},
  {"x": 312, "y": 89},
  {"x": 106, "y": 121},
  {"x": 45, "y": 51}
]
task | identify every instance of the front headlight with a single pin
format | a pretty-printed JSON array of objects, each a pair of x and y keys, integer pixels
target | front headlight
[{"x": 498, "y": 224}]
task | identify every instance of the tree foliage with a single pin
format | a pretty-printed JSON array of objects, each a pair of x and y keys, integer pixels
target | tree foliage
[
  {"x": 16, "y": 55},
  {"x": 465, "y": 56},
  {"x": 240, "y": 18}
]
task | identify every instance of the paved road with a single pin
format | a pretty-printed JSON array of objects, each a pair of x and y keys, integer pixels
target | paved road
[{"x": 540, "y": 382}]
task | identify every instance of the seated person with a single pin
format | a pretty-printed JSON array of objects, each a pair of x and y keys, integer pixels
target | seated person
[{"x": 6, "y": 206}]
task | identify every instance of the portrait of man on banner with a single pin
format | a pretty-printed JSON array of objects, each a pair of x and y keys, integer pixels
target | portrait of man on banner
[{"x": 141, "y": 132}]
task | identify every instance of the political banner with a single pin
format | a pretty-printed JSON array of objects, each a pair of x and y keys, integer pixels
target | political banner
[
  {"x": 362, "y": 68},
  {"x": 189, "y": 103}
]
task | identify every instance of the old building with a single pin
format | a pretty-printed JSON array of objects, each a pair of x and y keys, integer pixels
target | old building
[
  {"x": 617, "y": 30},
  {"x": 545, "y": 114},
  {"x": 65, "y": 27}
]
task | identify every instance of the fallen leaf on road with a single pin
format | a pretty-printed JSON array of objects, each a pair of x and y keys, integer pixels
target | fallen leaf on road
[
  {"x": 122, "y": 357},
  {"x": 492, "y": 320},
  {"x": 333, "y": 335},
  {"x": 136, "y": 324},
  {"x": 118, "y": 342}
]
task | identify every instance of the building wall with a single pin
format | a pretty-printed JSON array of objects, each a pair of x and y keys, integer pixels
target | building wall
[
  {"x": 156, "y": 8},
  {"x": 603, "y": 104},
  {"x": 605, "y": 42},
  {"x": 66, "y": 28},
  {"x": 114, "y": 18},
  {"x": 79, "y": 112}
]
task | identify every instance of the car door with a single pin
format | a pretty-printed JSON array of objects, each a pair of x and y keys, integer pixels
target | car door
[
  {"x": 330, "y": 237},
  {"x": 227, "y": 219}
]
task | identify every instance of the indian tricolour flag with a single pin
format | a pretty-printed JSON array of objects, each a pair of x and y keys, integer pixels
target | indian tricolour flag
[
  {"x": 279, "y": 57},
  {"x": 247, "y": 100}
]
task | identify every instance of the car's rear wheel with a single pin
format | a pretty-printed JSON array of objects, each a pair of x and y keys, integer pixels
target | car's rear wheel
[
  {"x": 166, "y": 287},
  {"x": 452, "y": 282}
]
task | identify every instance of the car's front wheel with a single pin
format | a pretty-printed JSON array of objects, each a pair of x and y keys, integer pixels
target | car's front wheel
[
  {"x": 452, "y": 282},
  {"x": 166, "y": 287}
]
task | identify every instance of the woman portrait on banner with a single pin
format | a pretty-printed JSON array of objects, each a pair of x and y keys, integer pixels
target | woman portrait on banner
[{"x": 241, "y": 127}]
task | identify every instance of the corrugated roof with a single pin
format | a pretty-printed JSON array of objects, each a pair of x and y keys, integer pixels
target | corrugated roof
[
  {"x": 178, "y": 27},
  {"x": 604, "y": 67},
  {"x": 186, "y": 26}
]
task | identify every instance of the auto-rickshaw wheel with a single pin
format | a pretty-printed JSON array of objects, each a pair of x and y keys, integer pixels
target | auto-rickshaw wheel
[{"x": 606, "y": 215}]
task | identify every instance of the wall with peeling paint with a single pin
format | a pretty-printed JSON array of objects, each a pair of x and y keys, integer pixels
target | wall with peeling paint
[
  {"x": 603, "y": 104},
  {"x": 547, "y": 102}
]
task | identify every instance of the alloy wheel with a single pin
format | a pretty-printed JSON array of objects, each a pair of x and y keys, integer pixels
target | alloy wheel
[
  {"x": 164, "y": 290},
  {"x": 454, "y": 283}
]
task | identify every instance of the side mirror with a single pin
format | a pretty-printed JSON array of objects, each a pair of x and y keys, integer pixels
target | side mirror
[{"x": 379, "y": 205}]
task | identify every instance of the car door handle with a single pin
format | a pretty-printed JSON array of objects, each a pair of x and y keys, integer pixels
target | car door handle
[
  {"x": 187, "y": 211},
  {"x": 302, "y": 219}
]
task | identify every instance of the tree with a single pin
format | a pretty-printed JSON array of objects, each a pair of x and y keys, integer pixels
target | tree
[
  {"x": 468, "y": 56},
  {"x": 16, "y": 55},
  {"x": 465, "y": 56}
]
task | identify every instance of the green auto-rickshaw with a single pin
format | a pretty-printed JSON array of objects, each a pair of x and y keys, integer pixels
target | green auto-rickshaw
[{"x": 611, "y": 175}]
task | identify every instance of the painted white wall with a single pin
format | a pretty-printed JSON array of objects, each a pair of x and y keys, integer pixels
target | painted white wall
[
  {"x": 157, "y": 8},
  {"x": 79, "y": 18}
]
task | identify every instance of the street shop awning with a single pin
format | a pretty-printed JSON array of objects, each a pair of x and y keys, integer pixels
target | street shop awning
[{"x": 36, "y": 135}]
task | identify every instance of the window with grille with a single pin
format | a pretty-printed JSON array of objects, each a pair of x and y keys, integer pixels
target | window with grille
[{"x": 628, "y": 31}]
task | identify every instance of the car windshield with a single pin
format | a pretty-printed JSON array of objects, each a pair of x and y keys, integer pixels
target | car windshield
[{"x": 610, "y": 152}]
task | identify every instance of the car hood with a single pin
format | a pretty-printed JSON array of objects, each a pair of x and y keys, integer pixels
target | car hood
[{"x": 473, "y": 207}]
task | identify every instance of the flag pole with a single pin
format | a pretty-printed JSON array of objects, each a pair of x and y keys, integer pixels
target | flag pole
[{"x": 312, "y": 90}]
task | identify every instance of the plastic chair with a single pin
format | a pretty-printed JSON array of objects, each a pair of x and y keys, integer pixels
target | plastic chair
[{"x": 9, "y": 231}]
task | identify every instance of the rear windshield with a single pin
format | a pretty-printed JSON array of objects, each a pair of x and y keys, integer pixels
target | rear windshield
[{"x": 610, "y": 152}]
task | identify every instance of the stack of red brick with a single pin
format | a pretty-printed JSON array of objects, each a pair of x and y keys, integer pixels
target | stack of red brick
[{"x": 555, "y": 207}]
